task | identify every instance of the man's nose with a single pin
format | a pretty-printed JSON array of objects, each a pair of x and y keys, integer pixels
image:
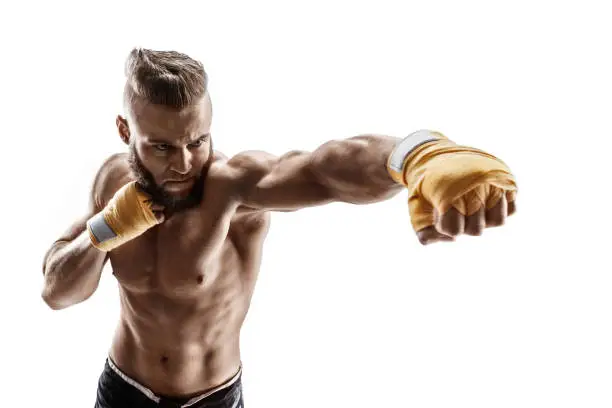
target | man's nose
[{"x": 182, "y": 161}]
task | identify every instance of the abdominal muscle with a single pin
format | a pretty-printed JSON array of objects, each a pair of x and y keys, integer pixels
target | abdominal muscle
[{"x": 176, "y": 347}]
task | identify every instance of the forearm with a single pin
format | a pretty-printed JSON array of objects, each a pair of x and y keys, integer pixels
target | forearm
[
  {"x": 72, "y": 271},
  {"x": 355, "y": 169}
]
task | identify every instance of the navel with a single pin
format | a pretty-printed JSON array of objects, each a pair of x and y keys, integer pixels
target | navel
[
  {"x": 200, "y": 279},
  {"x": 209, "y": 360},
  {"x": 164, "y": 360}
]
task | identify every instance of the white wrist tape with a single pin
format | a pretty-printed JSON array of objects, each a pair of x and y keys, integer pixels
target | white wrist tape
[
  {"x": 100, "y": 230},
  {"x": 407, "y": 145}
]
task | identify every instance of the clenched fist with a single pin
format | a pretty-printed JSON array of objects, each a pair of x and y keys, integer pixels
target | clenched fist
[{"x": 452, "y": 189}]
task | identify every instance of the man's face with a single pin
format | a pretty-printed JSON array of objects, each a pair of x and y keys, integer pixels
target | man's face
[{"x": 170, "y": 151}]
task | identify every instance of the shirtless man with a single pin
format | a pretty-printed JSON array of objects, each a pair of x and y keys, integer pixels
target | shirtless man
[{"x": 183, "y": 228}]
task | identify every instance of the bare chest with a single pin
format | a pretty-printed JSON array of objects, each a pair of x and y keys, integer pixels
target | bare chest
[{"x": 181, "y": 256}]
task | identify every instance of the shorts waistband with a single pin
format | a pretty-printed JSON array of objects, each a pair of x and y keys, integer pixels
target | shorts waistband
[{"x": 151, "y": 395}]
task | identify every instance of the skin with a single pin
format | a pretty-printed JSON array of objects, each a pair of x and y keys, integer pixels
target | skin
[{"x": 185, "y": 285}]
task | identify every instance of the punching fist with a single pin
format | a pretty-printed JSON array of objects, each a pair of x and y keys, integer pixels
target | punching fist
[{"x": 453, "y": 189}]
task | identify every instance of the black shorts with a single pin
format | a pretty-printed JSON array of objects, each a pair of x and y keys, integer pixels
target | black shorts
[{"x": 117, "y": 390}]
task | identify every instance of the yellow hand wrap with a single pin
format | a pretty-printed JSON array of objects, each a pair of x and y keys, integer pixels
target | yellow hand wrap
[
  {"x": 127, "y": 215},
  {"x": 440, "y": 174}
]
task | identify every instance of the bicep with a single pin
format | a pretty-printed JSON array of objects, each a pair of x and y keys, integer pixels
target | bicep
[{"x": 280, "y": 183}]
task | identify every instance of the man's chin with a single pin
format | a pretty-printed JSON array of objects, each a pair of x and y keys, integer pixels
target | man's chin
[
  {"x": 178, "y": 195},
  {"x": 178, "y": 201}
]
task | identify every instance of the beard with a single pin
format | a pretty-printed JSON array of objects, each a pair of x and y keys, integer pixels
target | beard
[{"x": 159, "y": 195}]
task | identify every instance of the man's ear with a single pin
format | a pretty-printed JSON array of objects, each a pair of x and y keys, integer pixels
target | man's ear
[{"x": 123, "y": 128}]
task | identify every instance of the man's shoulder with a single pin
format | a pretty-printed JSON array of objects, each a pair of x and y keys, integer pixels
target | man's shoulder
[
  {"x": 242, "y": 168},
  {"x": 115, "y": 162},
  {"x": 113, "y": 173},
  {"x": 232, "y": 175},
  {"x": 249, "y": 167},
  {"x": 252, "y": 161}
]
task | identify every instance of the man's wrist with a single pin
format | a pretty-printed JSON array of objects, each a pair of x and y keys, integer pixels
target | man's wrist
[{"x": 404, "y": 148}]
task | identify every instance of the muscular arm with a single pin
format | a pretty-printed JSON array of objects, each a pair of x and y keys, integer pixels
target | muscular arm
[
  {"x": 351, "y": 170},
  {"x": 72, "y": 266}
]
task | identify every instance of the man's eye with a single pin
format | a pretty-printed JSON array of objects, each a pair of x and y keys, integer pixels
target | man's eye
[
  {"x": 162, "y": 147},
  {"x": 197, "y": 143}
]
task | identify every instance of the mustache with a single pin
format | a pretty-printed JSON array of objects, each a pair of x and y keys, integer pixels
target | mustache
[
  {"x": 179, "y": 180},
  {"x": 159, "y": 194}
]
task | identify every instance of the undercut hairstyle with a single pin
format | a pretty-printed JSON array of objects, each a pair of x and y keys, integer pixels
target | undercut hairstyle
[{"x": 167, "y": 78}]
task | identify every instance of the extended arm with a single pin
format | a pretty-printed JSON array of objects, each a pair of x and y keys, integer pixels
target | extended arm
[
  {"x": 351, "y": 170},
  {"x": 452, "y": 188}
]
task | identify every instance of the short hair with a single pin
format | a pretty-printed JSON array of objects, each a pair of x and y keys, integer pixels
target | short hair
[{"x": 168, "y": 78}]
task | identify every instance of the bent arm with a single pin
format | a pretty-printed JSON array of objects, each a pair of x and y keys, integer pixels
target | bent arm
[
  {"x": 72, "y": 267},
  {"x": 352, "y": 170}
]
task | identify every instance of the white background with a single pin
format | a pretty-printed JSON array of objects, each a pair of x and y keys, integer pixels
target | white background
[{"x": 350, "y": 310}]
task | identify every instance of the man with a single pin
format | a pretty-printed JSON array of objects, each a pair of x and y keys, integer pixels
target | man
[{"x": 183, "y": 227}]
